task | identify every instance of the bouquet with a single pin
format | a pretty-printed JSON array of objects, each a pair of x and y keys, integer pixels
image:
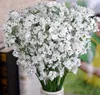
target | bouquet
[{"x": 48, "y": 39}]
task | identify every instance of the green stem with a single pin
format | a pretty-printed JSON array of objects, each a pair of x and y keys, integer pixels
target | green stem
[
  {"x": 41, "y": 82},
  {"x": 55, "y": 85},
  {"x": 63, "y": 78}
]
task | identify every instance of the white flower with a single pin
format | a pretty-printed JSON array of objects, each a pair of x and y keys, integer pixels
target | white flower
[
  {"x": 15, "y": 16},
  {"x": 61, "y": 72},
  {"x": 54, "y": 37},
  {"x": 27, "y": 36},
  {"x": 49, "y": 38},
  {"x": 52, "y": 75}
]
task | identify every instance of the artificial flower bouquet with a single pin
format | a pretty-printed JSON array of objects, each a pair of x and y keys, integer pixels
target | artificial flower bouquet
[{"x": 48, "y": 39}]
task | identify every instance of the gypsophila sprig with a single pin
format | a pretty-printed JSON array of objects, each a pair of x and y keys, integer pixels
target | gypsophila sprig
[{"x": 48, "y": 39}]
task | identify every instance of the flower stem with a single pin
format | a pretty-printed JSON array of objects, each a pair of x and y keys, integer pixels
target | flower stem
[{"x": 63, "y": 78}]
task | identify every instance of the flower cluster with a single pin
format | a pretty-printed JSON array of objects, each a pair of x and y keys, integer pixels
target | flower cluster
[{"x": 49, "y": 38}]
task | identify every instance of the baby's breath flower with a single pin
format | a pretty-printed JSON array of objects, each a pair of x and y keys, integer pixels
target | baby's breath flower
[{"x": 49, "y": 37}]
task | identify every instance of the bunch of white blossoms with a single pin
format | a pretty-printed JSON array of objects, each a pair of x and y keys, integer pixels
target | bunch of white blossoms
[{"x": 49, "y": 37}]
